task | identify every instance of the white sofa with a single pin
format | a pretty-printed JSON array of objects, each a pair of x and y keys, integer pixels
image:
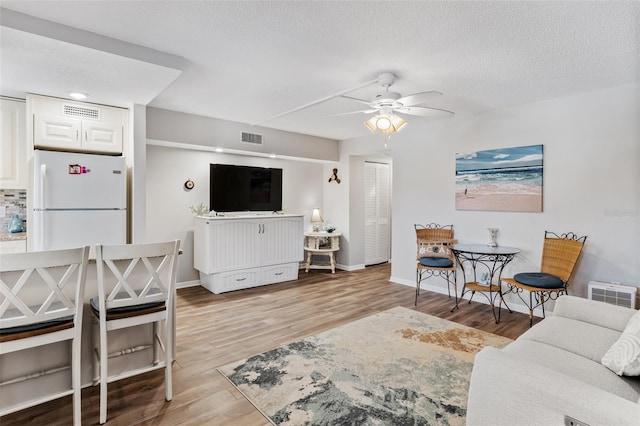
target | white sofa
[{"x": 554, "y": 369}]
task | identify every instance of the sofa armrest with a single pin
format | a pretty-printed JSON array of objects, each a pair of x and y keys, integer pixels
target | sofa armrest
[
  {"x": 593, "y": 312},
  {"x": 507, "y": 391}
]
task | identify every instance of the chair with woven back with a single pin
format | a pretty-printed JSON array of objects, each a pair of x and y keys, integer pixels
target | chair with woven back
[
  {"x": 41, "y": 303},
  {"x": 560, "y": 254},
  {"x": 136, "y": 286},
  {"x": 434, "y": 256}
]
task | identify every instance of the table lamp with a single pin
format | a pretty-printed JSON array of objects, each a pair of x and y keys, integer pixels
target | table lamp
[{"x": 316, "y": 217}]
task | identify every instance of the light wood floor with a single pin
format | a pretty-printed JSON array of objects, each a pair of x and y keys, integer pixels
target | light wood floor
[{"x": 213, "y": 330}]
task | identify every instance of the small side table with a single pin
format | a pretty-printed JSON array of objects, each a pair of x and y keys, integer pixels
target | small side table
[
  {"x": 321, "y": 244},
  {"x": 494, "y": 259}
]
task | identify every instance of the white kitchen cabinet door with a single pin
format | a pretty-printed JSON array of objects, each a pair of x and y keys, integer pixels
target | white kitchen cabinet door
[
  {"x": 102, "y": 137},
  {"x": 52, "y": 131},
  {"x": 13, "y": 162}
]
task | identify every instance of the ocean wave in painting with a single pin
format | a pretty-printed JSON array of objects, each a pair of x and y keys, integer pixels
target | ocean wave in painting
[{"x": 517, "y": 180}]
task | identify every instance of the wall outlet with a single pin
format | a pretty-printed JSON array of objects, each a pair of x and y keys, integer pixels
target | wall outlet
[{"x": 570, "y": 421}]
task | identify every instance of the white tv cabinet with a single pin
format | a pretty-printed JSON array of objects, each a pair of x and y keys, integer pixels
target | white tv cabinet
[{"x": 236, "y": 252}]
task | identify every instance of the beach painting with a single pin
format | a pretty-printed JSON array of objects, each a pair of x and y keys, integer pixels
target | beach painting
[{"x": 506, "y": 179}]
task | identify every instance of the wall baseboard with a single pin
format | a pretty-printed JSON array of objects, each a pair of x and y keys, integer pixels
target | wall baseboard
[
  {"x": 186, "y": 284},
  {"x": 350, "y": 267},
  {"x": 516, "y": 307}
]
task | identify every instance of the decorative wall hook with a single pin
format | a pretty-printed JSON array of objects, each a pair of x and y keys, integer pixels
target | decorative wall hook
[
  {"x": 188, "y": 185},
  {"x": 334, "y": 176}
]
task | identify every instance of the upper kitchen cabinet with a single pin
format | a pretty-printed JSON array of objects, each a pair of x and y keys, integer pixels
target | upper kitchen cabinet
[
  {"x": 75, "y": 126},
  {"x": 13, "y": 163}
]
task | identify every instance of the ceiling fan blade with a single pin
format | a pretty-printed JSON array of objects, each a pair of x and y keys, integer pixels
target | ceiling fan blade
[
  {"x": 362, "y": 101},
  {"x": 418, "y": 98},
  {"x": 364, "y": 111},
  {"x": 424, "y": 111}
]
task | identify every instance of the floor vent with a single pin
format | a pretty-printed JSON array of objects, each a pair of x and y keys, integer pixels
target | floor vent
[
  {"x": 252, "y": 138},
  {"x": 614, "y": 294}
]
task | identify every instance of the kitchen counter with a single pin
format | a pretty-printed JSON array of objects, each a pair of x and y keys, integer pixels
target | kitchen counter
[{"x": 8, "y": 236}]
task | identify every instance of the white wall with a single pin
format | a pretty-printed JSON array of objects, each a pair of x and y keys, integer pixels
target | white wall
[
  {"x": 167, "y": 207},
  {"x": 173, "y": 126},
  {"x": 591, "y": 183}
]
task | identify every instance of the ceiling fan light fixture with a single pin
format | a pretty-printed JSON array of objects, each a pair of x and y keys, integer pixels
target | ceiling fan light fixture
[
  {"x": 397, "y": 123},
  {"x": 385, "y": 123},
  {"x": 371, "y": 124}
]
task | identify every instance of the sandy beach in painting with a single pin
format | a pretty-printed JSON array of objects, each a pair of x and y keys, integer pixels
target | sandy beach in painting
[{"x": 503, "y": 197}]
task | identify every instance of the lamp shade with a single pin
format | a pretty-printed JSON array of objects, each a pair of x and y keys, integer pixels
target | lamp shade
[
  {"x": 385, "y": 123},
  {"x": 316, "y": 216}
]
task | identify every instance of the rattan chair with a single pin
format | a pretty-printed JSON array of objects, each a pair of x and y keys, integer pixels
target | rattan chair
[
  {"x": 434, "y": 256},
  {"x": 560, "y": 254},
  {"x": 136, "y": 286},
  {"x": 41, "y": 303}
]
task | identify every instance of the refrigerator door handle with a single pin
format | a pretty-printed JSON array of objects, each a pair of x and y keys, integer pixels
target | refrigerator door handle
[{"x": 43, "y": 181}]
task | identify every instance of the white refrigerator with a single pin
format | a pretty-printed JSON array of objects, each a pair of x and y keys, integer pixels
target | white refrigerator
[{"x": 78, "y": 199}]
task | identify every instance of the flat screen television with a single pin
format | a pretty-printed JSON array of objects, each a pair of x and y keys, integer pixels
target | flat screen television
[{"x": 244, "y": 188}]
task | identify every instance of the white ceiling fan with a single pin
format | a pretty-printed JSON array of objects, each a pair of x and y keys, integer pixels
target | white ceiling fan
[{"x": 387, "y": 104}]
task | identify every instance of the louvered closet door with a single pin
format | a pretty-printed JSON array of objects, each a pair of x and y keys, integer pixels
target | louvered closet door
[{"x": 376, "y": 213}]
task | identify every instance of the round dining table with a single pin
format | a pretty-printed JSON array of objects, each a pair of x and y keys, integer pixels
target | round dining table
[{"x": 485, "y": 264}]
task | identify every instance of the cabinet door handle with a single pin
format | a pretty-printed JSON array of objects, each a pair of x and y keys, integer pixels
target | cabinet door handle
[
  {"x": 240, "y": 279},
  {"x": 278, "y": 273},
  {"x": 77, "y": 135},
  {"x": 86, "y": 136}
]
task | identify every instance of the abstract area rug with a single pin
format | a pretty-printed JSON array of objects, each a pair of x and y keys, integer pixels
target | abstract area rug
[{"x": 397, "y": 367}]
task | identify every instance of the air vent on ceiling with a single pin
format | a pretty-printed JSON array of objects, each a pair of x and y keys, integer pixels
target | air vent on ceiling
[
  {"x": 252, "y": 138},
  {"x": 71, "y": 110}
]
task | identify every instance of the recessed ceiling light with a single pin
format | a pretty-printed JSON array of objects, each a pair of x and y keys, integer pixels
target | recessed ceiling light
[{"x": 78, "y": 95}]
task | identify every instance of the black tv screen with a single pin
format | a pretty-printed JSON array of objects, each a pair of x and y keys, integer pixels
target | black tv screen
[{"x": 244, "y": 188}]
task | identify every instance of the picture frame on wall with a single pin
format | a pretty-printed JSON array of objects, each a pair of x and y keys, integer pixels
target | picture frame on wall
[{"x": 504, "y": 179}]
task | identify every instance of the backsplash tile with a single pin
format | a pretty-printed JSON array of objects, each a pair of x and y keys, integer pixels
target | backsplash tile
[{"x": 14, "y": 202}]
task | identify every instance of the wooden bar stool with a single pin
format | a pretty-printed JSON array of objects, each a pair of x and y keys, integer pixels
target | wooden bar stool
[
  {"x": 136, "y": 286},
  {"x": 41, "y": 303}
]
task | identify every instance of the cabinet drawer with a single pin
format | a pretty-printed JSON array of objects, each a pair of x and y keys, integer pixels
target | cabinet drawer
[
  {"x": 235, "y": 280},
  {"x": 279, "y": 273}
]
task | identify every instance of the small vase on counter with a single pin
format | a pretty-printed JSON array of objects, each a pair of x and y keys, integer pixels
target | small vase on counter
[{"x": 15, "y": 224}]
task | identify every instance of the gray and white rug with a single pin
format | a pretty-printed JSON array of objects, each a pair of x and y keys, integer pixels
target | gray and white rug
[{"x": 398, "y": 367}]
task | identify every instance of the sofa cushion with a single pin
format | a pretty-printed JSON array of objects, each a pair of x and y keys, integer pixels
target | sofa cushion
[
  {"x": 575, "y": 366},
  {"x": 581, "y": 338},
  {"x": 593, "y": 312},
  {"x": 623, "y": 358},
  {"x": 436, "y": 262},
  {"x": 538, "y": 279}
]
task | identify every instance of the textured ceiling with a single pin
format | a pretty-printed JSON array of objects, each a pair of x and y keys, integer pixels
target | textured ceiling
[{"x": 249, "y": 61}]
